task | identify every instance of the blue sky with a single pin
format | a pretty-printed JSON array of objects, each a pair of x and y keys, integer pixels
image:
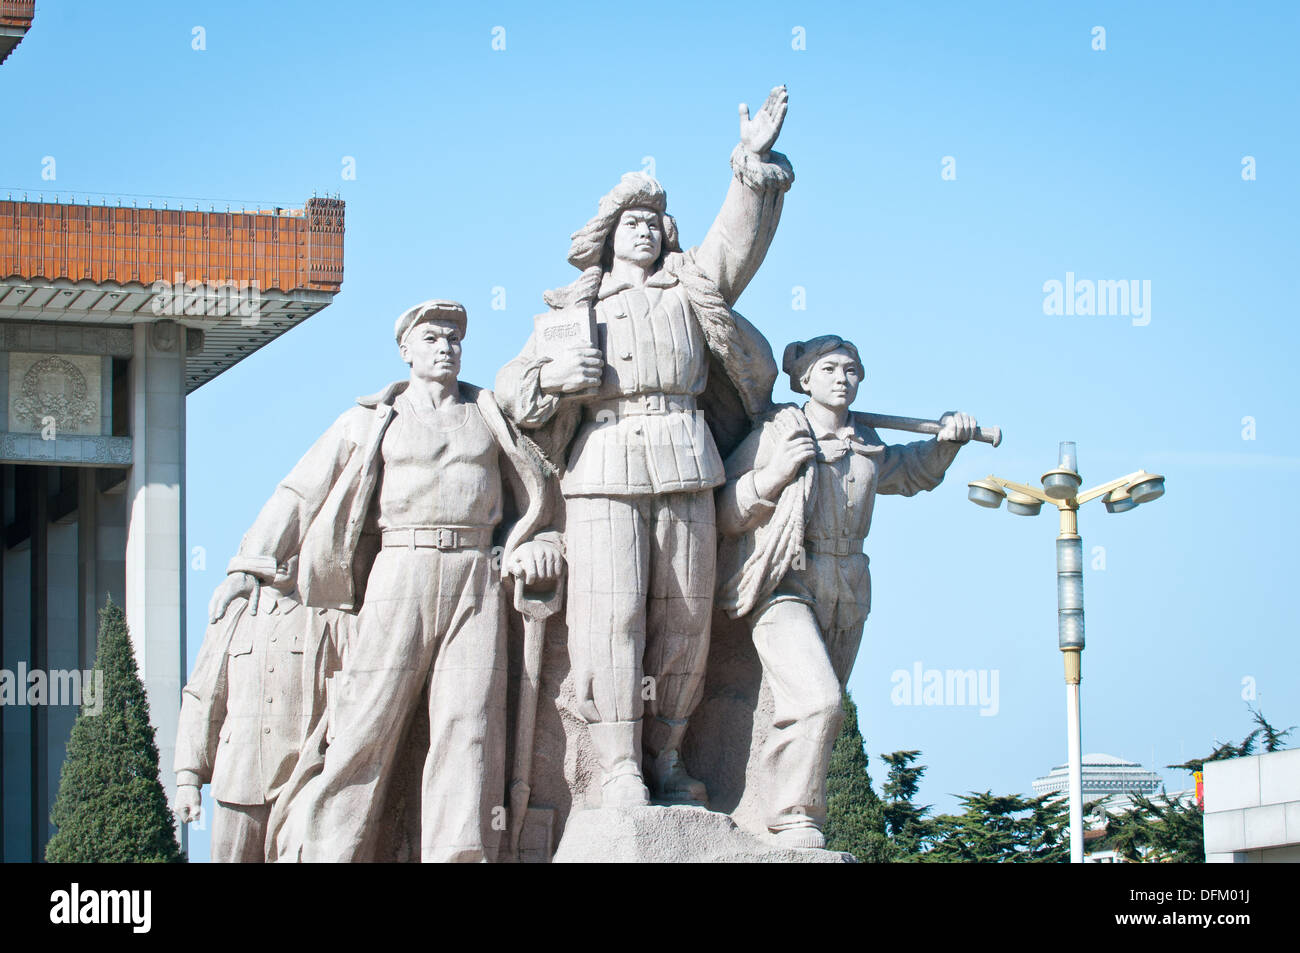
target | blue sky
[{"x": 474, "y": 165}]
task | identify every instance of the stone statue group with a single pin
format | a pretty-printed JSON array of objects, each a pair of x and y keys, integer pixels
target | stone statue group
[{"x": 631, "y": 470}]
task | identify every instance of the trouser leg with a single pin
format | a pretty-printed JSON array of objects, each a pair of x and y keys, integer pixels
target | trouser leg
[
  {"x": 807, "y": 713},
  {"x": 842, "y": 647},
  {"x": 375, "y": 694},
  {"x": 846, "y": 594},
  {"x": 608, "y": 546},
  {"x": 238, "y": 832},
  {"x": 463, "y": 783},
  {"x": 678, "y": 614}
]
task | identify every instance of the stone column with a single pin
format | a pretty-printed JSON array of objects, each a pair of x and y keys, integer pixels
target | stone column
[
  {"x": 18, "y": 767},
  {"x": 155, "y": 542},
  {"x": 87, "y": 566},
  {"x": 36, "y": 656},
  {"x": 62, "y": 650}
]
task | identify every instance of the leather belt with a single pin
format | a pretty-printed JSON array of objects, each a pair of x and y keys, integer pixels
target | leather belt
[
  {"x": 639, "y": 405},
  {"x": 445, "y": 538},
  {"x": 836, "y": 545}
]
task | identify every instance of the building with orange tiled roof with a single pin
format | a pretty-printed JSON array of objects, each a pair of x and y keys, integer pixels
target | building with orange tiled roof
[
  {"x": 15, "y": 21},
  {"x": 109, "y": 316}
]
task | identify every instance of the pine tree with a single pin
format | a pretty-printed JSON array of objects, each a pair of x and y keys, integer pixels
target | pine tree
[
  {"x": 111, "y": 807},
  {"x": 855, "y": 821},
  {"x": 1048, "y": 840},
  {"x": 1274, "y": 740},
  {"x": 904, "y": 820},
  {"x": 1002, "y": 828}
]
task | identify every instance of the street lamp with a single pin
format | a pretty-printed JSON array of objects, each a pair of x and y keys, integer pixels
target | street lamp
[{"x": 1061, "y": 489}]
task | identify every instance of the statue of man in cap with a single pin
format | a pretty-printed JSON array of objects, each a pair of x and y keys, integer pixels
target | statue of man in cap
[
  {"x": 256, "y": 693},
  {"x": 795, "y": 513},
  {"x": 636, "y": 425},
  {"x": 396, "y": 512}
]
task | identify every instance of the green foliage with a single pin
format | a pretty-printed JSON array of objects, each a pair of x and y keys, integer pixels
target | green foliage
[
  {"x": 1004, "y": 828},
  {"x": 1162, "y": 830},
  {"x": 904, "y": 820},
  {"x": 855, "y": 821},
  {"x": 111, "y": 807},
  {"x": 1273, "y": 739}
]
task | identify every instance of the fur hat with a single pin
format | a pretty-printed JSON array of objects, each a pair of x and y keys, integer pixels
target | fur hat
[{"x": 634, "y": 190}]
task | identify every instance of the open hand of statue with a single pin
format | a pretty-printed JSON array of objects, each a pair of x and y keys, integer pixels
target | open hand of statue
[
  {"x": 573, "y": 370},
  {"x": 234, "y": 586},
  {"x": 759, "y": 133},
  {"x": 955, "y": 427}
]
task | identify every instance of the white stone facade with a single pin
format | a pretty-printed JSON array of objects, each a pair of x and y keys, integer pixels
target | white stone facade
[{"x": 1252, "y": 809}]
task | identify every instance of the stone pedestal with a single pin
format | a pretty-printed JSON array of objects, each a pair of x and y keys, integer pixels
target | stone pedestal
[{"x": 665, "y": 835}]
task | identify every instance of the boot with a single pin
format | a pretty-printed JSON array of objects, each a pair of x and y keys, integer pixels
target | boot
[
  {"x": 795, "y": 828},
  {"x": 668, "y": 778},
  {"x": 618, "y": 745},
  {"x": 807, "y": 837}
]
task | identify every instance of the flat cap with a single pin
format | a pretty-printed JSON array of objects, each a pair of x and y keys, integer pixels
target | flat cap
[{"x": 435, "y": 309}]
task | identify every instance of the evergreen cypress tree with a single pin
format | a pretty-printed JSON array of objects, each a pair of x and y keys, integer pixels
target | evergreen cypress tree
[
  {"x": 111, "y": 807},
  {"x": 905, "y": 821},
  {"x": 855, "y": 820}
]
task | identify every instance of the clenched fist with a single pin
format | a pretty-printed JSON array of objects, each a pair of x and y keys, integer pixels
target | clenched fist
[
  {"x": 956, "y": 427},
  {"x": 536, "y": 562},
  {"x": 189, "y": 803},
  {"x": 792, "y": 451}
]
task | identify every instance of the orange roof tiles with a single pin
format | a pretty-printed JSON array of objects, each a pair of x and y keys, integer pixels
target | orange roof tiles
[
  {"x": 17, "y": 13},
  {"x": 104, "y": 244}
]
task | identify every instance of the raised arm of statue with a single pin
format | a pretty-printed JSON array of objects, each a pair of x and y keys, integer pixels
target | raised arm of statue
[{"x": 738, "y": 240}]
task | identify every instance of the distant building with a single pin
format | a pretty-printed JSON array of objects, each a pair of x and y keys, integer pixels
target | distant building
[
  {"x": 1108, "y": 780},
  {"x": 1103, "y": 774}
]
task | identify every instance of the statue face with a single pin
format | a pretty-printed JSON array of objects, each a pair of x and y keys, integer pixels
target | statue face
[
  {"x": 833, "y": 380},
  {"x": 638, "y": 237},
  {"x": 433, "y": 351}
]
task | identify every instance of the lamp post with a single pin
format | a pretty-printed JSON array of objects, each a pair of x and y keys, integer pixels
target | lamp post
[{"x": 1061, "y": 489}]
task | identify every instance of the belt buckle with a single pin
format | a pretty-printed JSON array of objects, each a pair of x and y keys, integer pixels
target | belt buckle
[
  {"x": 654, "y": 403},
  {"x": 444, "y": 538}
]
